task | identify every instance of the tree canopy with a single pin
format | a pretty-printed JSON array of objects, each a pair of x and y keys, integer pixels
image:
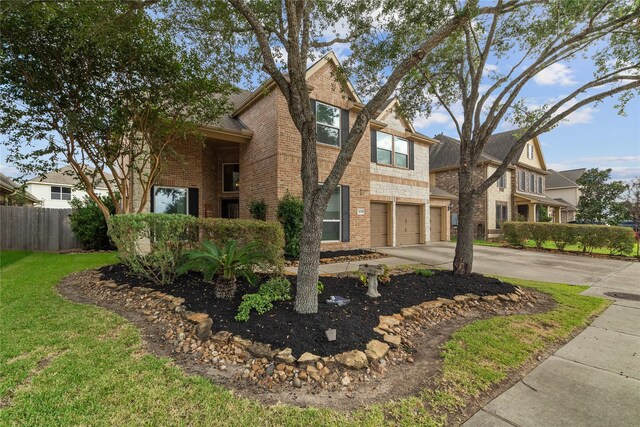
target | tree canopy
[{"x": 600, "y": 198}]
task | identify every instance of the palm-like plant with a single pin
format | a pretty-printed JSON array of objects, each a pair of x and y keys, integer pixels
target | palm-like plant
[{"x": 228, "y": 263}]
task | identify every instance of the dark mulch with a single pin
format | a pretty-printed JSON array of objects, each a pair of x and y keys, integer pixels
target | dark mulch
[
  {"x": 282, "y": 327},
  {"x": 336, "y": 254}
]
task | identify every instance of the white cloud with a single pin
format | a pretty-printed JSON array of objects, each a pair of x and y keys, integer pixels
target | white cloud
[
  {"x": 555, "y": 74},
  {"x": 9, "y": 170},
  {"x": 491, "y": 68},
  {"x": 622, "y": 167},
  {"x": 436, "y": 118}
]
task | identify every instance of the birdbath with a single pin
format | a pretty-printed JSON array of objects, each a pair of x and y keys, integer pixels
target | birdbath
[{"x": 372, "y": 271}]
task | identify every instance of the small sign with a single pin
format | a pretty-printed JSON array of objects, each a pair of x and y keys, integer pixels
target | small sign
[{"x": 360, "y": 211}]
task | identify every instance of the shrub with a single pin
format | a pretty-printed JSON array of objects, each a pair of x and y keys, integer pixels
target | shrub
[
  {"x": 424, "y": 272},
  {"x": 564, "y": 235},
  {"x": 268, "y": 234},
  {"x": 89, "y": 224},
  {"x": 543, "y": 214},
  {"x": 229, "y": 261},
  {"x": 539, "y": 232},
  {"x": 152, "y": 244},
  {"x": 592, "y": 236},
  {"x": 275, "y": 289},
  {"x": 516, "y": 233},
  {"x": 320, "y": 287},
  {"x": 258, "y": 209},
  {"x": 290, "y": 215},
  {"x": 620, "y": 240}
]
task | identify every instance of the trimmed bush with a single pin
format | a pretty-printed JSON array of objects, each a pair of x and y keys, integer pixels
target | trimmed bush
[
  {"x": 268, "y": 234},
  {"x": 540, "y": 232},
  {"x": 620, "y": 240},
  {"x": 89, "y": 224},
  {"x": 152, "y": 244},
  {"x": 592, "y": 236},
  {"x": 564, "y": 235},
  {"x": 258, "y": 209},
  {"x": 516, "y": 233},
  {"x": 290, "y": 215}
]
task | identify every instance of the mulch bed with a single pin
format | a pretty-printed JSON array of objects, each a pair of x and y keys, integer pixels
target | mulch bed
[{"x": 282, "y": 327}]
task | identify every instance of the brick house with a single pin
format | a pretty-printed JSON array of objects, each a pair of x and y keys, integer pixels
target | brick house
[
  {"x": 254, "y": 154},
  {"x": 516, "y": 195}
]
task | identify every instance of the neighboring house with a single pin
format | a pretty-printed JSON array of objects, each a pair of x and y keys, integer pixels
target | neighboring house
[
  {"x": 562, "y": 186},
  {"x": 13, "y": 194},
  {"x": 56, "y": 188},
  {"x": 516, "y": 195},
  {"x": 254, "y": 154}
]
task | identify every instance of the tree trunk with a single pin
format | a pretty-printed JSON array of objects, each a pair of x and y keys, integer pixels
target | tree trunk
[
  {"x": 307, "y": 282},
  {"x": 463, "y": 259}
]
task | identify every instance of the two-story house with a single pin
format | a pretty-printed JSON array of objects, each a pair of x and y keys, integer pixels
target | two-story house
[
  {"x": 562, "y": 186},
  {"x": 254, "y": 154},
  {"x": 516, "y": 195}
]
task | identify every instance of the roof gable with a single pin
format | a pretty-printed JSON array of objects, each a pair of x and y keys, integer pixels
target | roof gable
[{"x": 389, "y": 113}]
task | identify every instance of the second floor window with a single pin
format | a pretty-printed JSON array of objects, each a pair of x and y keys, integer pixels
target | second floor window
[
  {"x": 502, "y": 181},
  {"x": 230, "y": 177},
  {"x": 540, "y": 186},
  {"x": 392, "y": 150},
  {"x": 60, "y": 193},
  {"x": 328, "y": 124},
  {"x": 532, "y": 183},
  {"x": 521, "y": 181}
]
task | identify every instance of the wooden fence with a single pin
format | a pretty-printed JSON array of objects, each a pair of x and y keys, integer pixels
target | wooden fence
[{"x": 36, "y": 229}]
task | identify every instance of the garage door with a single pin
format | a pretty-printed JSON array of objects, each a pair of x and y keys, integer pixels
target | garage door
[
  {"x": 379, "y": 224},
  {"x": 408, "y": 224},
  {"x": 436, "y": 224}
]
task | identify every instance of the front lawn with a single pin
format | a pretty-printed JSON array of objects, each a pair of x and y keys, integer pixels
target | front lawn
[{"x": 69, "y": 364}]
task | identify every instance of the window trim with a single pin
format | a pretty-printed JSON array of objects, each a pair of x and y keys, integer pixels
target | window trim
[
  {"x": 60, "y": 193},
  {"x": 222, "y": 178},
  {"x": 328, "y": 125},
  {"x": 339, "y": 220},
  {"x": 393, "y": 151},
  {"x": 155, "y": 187}
]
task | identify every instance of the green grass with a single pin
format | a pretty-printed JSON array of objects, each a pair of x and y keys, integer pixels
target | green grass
[
  {"x": 578, "y": 248},
  {"x": 98, "y": 373}
]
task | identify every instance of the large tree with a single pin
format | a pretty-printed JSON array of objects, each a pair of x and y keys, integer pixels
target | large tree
[
  {"x": 479, "y": 78},
  {"x": 631, "y": 200},
  {"x": 282, "y": 37},
  {"x": 600, "y": 198},
  {"x": 99, "y": 86}
]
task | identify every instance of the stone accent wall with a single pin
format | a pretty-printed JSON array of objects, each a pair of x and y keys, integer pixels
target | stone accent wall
[{"x": 448, "y": 181}]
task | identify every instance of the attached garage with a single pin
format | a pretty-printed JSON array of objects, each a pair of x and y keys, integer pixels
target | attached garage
[
  {"x": 407, "y": 224},
  {"x": 379, "y": 224},
  {"x": 436, "y": 224}
]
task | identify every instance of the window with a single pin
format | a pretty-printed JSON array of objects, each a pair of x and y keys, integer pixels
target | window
[
  {"x": 385, "y": 148},
  {"x": 530, "y": 151},
  {"x": 331, "y": 225},
  {"x": 230, "y": 177},
  {"x": 521, "y": 181},
  {"x": 532, "y": 183},
  {"x": 540, "y": 186},
  {"x": 401, "y": 153},
  {"x": 328, "y": 124},
  {"x": 170, "y": 200},
  {"x": 502, "y": 213},
  {"x": 454, "y": 219},
  {"x": 392, "y": 150},
  {"x": 230, "y": 208},
  {"x": 60, "y": 193},
  {"x": 502, "y": 181}
]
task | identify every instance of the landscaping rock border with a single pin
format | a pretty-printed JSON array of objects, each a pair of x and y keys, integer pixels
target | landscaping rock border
[{"x": 189, "y": 333}]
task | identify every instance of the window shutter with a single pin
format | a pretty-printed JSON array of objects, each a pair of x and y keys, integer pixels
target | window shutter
[
  {"x": 152, "y": 198},
  {"x": 411, "y": 150},
  {"x": 344, "y": 126},
  {"x": 374, "y": 146},
  {"x": 193, "y": 202},
  {"x": 345, "y": 213}
]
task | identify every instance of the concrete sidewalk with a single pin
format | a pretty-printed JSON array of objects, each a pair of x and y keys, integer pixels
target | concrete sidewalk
[{"x": 594, "y": 380}]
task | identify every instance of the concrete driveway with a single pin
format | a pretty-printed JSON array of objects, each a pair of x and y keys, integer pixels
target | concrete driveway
[{"x": 594, "y": 380}]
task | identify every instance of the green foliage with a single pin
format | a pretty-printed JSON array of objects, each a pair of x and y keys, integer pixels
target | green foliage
[
  {"x": 385, "y": 277},
  {"x": 258, "y": 209},
  {"x": 619, "y": 240},
  {"x": 152, "y": 245},
  {"x": 424, "y": 272},
  {"x": 268, "y": 234},
  {"x": 290, "y": 215},
  {"x": 320, "y": 287},
  {"x": 229, "y": 261},
  {"x": 543, "y": 213},
  {"x": 89, "y": 224},
  {"x": 275, "y": 289},
  {"x": 599, "y": 198},
  {"x": 362, "y": 278}
]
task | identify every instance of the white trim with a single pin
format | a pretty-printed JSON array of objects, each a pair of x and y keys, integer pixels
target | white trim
[
  {"x": 393, "y": 151},
  {"x": 331, "y": 126}
]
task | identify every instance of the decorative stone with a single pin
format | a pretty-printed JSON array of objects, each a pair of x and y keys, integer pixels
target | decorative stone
[
  {"x": 285, "y": 356},
  {"x": 431, "y": 304},
  {"x": 319, "y": 366},
  {"x": 308, "y": 358},
  {"x": 409, "y": 312},
  {"x": 393, "y": 340},
  {"x": 489, "y": 298},
  {"x": 203, "y": 329},
  {"x": 354, "y": 359},
  {"x": 297, "y": 383},
  {"x": 303, "y": 375},
  {"x": 376, "y": 350},
  {"x": 269, "y": 369},
  {"x": 389, "y": 321},
  {"x": 261, "y": 350},
  {"x": 446, "y": 301},
  {"x": 504, "y": 297},
  {"x": 280, "y": 367},
  {"x": 514, "y": 297},
  {"x": 346, "y": 380},
  {"x": 460, "y": 298},
  {"x": 221, "y": 338},
  {"x": 241, "y": 342},
  {"x": 473, "y": 297}
]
